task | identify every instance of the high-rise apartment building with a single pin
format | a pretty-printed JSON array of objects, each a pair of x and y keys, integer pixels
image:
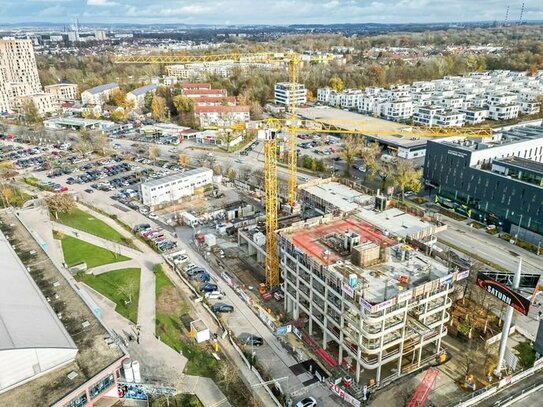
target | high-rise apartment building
[{"x": 18, "y": 72}]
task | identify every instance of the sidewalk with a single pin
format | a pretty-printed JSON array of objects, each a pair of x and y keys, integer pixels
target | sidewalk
[{"x": 113, "y": 266}]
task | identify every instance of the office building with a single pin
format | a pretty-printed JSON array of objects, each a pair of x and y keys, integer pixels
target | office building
[
  {"x": 63, "y": 91},
  {"x": 175, "y": 187},
  {"x": 497, "y": 180},
  {"x": 284, "y": 93},
  {"x": 137, "y": 96},
  {"x": 362, "y": 300},
  {"x": 99, "y": 94}
]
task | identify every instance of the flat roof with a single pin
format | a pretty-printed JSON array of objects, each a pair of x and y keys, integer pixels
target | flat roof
[
  {"x": 341, "y": 196},
  {"x": 524, "y": 163},
  {"x": 26, "y": 319},
  {"x": 396, "y": 221},
  {"x": 176, "y": 177},
  {"x": 311, "y": 240}
]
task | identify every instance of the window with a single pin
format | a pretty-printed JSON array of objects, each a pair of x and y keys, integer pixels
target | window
[{"x": 101, "y": 386}]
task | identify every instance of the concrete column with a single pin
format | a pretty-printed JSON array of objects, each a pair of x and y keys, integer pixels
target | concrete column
[
  {"x": 507, "y": 323},
  {"x": 420, "y": 353},
  {"x": 358, "y": 363},
  {"x": 403, "y": 339}
]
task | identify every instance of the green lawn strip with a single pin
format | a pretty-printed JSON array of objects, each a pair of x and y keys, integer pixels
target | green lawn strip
[
  {"x": 173, "y": 333},
  {"x": 76, "y": 251},
  {"x": 85, "y": 222},
  {"x": 120, "y": 286}
]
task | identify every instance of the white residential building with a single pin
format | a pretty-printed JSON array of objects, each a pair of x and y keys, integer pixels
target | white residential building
[
  {"x": 222, "y": 116},
  {"x": 18, "y": 72},
  {"x": 397, "y": 110},
  {"x": 99, "y": 94},
  {"x": 175, "y": 187},
  {"x": 137, "y": 96},
  {"x": 284, "y": 93},
  {"x": 63, "y": 91},
  {"x": 45, "y": 103},
  {"x": 503, "y": 112},
  {"x": 475, "y": 115}
]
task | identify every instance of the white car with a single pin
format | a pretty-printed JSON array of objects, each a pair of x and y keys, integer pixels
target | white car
[
  {"x": 307, "y": 402},
  {"x": 152, "y": 215},
  {"x": 181, "y": 259},
  {"x": 214, "y": 295}
]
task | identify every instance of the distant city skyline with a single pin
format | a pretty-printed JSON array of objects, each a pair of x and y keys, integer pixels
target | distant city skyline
[{"x": 238, "y": 12}]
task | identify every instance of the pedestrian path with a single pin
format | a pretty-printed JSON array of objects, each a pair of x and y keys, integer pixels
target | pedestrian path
[{"x": 159, "y": 363}]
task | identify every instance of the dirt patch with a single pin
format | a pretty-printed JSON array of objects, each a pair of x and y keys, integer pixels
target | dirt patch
[{"x": 169, "y": 302}]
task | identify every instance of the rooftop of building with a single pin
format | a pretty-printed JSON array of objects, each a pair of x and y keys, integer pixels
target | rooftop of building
[
  {"x": 341, "y": 196},
  {"x": 26, "y": 319},
  {"x": 499, "y": 138},
  {"x": 177, "y": 176},
  {"x": 396, "y": 222},
  {"x": 96, "y": 348},
  {"x": 101, "y": 88},
  {"x": 523, "y": 163},
  {"x": 143, "y": 90},
  {"x": 79, "y": 122},
  {"x": 222, "y": 109},
  {"x": 399, "y": 267},
  {"x": 59, "y": 85},
  {"x": 189, "y": 92}
]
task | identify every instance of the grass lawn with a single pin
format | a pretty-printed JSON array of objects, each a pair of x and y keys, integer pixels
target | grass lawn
[
  {"x": 81, "y": 220},
  {"x": 169, "y": 308},
  {"x": 119, "y": 286},
  {"x": 76, "y": 251}
]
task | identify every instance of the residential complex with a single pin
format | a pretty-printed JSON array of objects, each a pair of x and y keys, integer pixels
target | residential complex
[
  {"x": 448, "y": 102},
  {"x": 222, "y": 116},
  {"x": 137, "y": 96},
  {"x": 19, "y": 76},
  {"x": 63, "y": 91},
  {"x": 99, "y": 94},
  {"x": 174, "y": 187},
  {"x": 364, "y": 301},
  {"x": 498, "y": 180},
  {"x": 284, "y": 93}
]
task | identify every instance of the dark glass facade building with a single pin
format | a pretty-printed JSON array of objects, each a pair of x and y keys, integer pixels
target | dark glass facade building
[{"x": 499, "y": 181}]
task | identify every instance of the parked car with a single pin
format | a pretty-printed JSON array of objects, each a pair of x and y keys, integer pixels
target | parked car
[
  {"x": 195, "y": 271},
  {"x": 222, "y": 307},
  {"x": 307, "y": 402},
  {"x": 203, "y": 277},
  {"x": 250, "y": 339},
  {"x": 214, "y": 295},
  {"x": 141, "y": 227},
  {"x": 208, "y": 287},
  {"x": 182, "y": 258},
  {"x": 89, "y": 190}
]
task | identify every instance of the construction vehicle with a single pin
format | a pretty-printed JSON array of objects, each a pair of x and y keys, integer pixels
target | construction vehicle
[{"x": 292, "y": 126}]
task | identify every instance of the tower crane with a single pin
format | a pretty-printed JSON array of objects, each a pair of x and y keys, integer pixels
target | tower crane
[{"x": 292, "y": 125}]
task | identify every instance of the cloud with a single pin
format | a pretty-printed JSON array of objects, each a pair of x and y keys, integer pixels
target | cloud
[
  {"x": 268, "y": 11},
  {"x": 101, "y": 3}
]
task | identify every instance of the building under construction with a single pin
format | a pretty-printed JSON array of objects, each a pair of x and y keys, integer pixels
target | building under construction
[{"x": 362, "y": 299}]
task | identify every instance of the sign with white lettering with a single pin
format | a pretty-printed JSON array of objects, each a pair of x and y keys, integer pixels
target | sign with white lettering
[
  {"x": 347, "y": 289},
  {"x": 503, "y": 293},
  {"x": 446, "y": 280},
  {"x": 344, "y": 395},
  {"x": 462, "y": 275},
  {"x": 365, "y": 305},
  {"x": 457, "y": 153},
  {"x": 405, "y": 296}
]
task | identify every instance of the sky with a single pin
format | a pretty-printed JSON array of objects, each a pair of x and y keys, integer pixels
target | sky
[{"x": 265, "y": 11}]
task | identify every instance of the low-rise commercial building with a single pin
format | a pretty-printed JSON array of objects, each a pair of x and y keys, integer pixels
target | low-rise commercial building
[
  {"x": 172, "y": 188},
  {"x": 496, "y": 180}
]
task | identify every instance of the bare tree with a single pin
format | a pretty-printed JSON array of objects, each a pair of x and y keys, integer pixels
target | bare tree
[
  {"x": 154, "y": 152},
  {"x": 231, "y": 174},
  {"x": 183, "y": 160},
  {"x": 128, "y": 290},
  {"x": 60, "y": 203},
  {"x": 226, "y": 374}
]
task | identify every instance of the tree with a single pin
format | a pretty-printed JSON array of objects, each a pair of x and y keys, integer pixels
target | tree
[
  {"x": 83, "y": 147},
  {"x": 370, "y": 155},
  {"x": 532, "y": 70},
  {"x": 226, "y": 375},
  {"x": 30, "y": 112},
  {"x": 217, "y": 169},
  {"x": 310, "y": 96},
  {"x": 148, "y": 100},
  {"x": 183, "y": 104},
  {"x": 118, "y": 116},
  {"x": 154, "y": 152},
  {"x": 336, "y": 83},
  {"x": 60, "y": 203},
  {"x": 158, "y": 108},
  {"x": 183, "y": 160},
  {"x": 118, "y": 98},
  {"x": 406, "y": 176},
  {"x": 351, "y": 148},
  {"x": 128, "y": 289},
  {"x": 96, "y": 139},
  {"x": 231, "y": 174}
]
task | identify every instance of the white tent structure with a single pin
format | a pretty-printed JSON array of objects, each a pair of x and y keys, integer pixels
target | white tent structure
[{"x": 33, "y": 341}]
